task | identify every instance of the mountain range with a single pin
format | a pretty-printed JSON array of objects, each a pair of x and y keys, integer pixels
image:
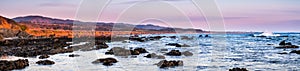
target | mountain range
[{"x": 100, "y": 25}]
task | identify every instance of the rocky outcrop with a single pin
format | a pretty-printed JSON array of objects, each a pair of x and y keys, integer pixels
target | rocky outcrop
[
  {"x": 166, "y": 64},
  {"x": 105, "y": 61},
  {"x": 12, "y": 65},
  {"x": 34, "y": 47},
  {"x": 283, "y": 44},
  {"x": 9, "y": 28},
  {"x": 45, "y": 62}
]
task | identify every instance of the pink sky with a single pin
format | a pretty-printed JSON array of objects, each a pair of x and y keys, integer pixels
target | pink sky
[{"x": 239, "y": 15}]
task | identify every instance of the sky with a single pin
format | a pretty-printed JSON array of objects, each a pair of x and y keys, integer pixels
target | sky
[{"x": 238, "y": 15}]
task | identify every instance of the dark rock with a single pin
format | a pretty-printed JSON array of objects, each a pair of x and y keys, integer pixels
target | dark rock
[
  {"x": 44, "y": 56},
  {"x": 238, "y": 69},
  {"x": 106, "y": 61},
  {"x": 287, "y": 46},
  {"x": 166, "y": 64},
  {"x": 206, "y": 36},
  {"x": 134, "y": 52},
  {"x": 74, "y": 55},
  {"x": 174, "y": 44},
  {"x": 177, "y": 45},
  {"x": 187, "y": 53},
  {"x": 282, "y": 42},
  {"x": 200, "y": 36},
  {"x": 283, "y": 53},
  {"x": 295, "y": 51},
  {"x": 174, "y": 53},
  {"x": 101, "y": 45},
  {"x": 153, "y": 55},
  {"x": 45, "y": 62},
  {"x": 141, "y": 50},
  {"x": 12, "y": 65},
  {"x": 137, "y": 39},
  {"x": 173, "y": 37}
]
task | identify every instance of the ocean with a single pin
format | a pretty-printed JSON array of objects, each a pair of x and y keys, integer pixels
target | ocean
[{"x": 217, "y": 52}]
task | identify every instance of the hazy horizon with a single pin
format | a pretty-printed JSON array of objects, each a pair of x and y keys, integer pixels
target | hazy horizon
[{"x": 247, "y": 15}]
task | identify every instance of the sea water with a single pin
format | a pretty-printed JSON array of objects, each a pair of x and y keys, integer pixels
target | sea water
[{"x": 218, "y": 52}]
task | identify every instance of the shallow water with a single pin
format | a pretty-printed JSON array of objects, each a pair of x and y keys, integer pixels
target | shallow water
[{"x": 218, "y": 53}]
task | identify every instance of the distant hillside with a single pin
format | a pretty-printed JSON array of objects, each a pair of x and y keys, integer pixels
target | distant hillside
[
  {"x": 47, "y": 23},
  {"x": 10, "y": 28},
  {"x": 41, "y": 19}
]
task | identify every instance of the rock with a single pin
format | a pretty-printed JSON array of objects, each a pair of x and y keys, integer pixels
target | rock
[
  {"x": 153, "y": 55},
  {"x": 282, "y": 42},
  {"x": 137, "y": 51},
  {"x": 174, "y": 44},
  {"x": 137, "y": 39},
  {"x": 150, "y": 55},
  {"x": 174, "y": 53},
  {"x": 173, "y": 37},
  {"x": 105, "y": 61},
  {"x": 238, "y": 69},
  {"x": 166, "y": 64},
  {"x": 74, "y": 55},
  {"x": 134, "y": 52},
  {"x": 206, "y": 36},
  {"x": 45, "y": 62},
  {"x": 44, "y": 56},
  {"x": 12, "y": 65},
  {"x": 283, "y": 53},
  {"x": 287, "y": 46},
  {"x": 118, "y": 51},
  {"x": 295, "y": 51},
  {"x": 200, "y": 36},
  {"x": 101, "y": 45},
  {"x": 141, "y": 50},
  {"x": 187, "y": 53},
  {"x": 177, "y": 45}
]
